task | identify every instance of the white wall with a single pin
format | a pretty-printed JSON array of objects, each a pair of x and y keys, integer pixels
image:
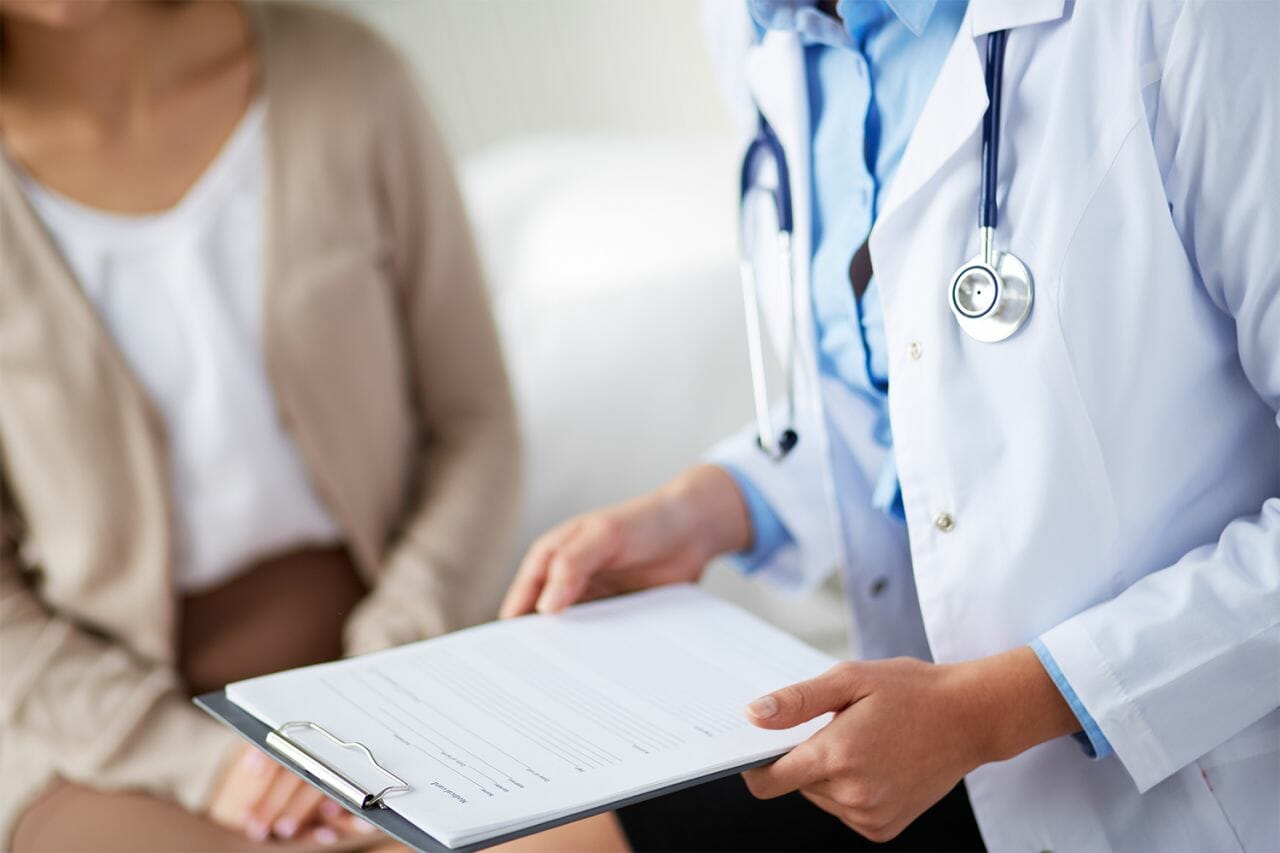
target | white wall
[
  {"x": 599, "y": 165},
  {"x": 498, "y": 69}
]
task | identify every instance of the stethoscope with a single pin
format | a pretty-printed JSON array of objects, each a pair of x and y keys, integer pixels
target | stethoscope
[{"x": 990, "y": 295}]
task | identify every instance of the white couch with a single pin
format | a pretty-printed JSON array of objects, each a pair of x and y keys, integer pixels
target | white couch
[{"x": 613, "y": 264}]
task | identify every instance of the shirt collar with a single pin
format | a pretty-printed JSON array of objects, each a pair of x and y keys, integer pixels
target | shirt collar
[
  {"x": 914, "y": 14},
  {"x": 816, "y": 27}
]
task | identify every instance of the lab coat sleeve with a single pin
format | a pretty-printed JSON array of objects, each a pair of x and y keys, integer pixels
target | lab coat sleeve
[
  {"x": 1091, "y": 739},
  {"x": 836, "y": 445},
  {"x": 1190, "y": 655},
  {"x": 768, "y": 533},
  {"x": 794, "y": 491}
]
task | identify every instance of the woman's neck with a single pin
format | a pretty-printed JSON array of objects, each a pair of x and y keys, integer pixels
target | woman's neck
[
  {"x": 103, "y": 66},
  {"x": 126, "y": 111},
  {"x": 109, "y": 70}
]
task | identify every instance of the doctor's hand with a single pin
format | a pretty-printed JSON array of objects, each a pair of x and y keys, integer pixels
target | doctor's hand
[
  {"x": 667, "y": 536},
  {"x": 905, "y": 732}
]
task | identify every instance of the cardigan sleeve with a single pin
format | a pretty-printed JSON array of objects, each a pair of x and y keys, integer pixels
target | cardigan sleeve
[
  {"x": 447, "y": 566},
  {"x": 104, "y": 717}
]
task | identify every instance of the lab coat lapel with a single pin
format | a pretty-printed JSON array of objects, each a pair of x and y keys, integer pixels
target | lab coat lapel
[
  {"x": 775, "y": 75},
  {"x": 987, "y": 16},
  {"x": 952, "y": 116},
  {"x": 951, "y": 120}
]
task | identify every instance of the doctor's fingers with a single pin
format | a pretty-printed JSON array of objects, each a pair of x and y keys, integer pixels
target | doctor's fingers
[
  {"x": 833, "y": 690},
  {"x": 802, "y": 767},
  {"x": 592, "y": 546},
  {"x": 863, "y": 823},
  {"x": 532, "y": 574}
]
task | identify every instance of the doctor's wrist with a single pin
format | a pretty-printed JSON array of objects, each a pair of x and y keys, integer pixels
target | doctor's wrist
[
  {"x": 1011, "y": 704},
  {"x": 705, "y": 504}
]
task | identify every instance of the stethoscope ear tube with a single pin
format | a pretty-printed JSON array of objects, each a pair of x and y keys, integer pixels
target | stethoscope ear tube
[
  {"x": 776, "y": 443},
  {"x": 766, "y": 143}
]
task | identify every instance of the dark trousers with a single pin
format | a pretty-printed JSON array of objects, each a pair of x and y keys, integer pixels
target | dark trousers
[{"x": 723, "y": 816}]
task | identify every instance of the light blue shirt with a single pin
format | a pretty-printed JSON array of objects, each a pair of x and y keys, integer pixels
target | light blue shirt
[{"x": 868, "y": 80}]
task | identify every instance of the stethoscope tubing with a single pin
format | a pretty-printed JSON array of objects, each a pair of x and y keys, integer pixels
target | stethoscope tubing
[
  {"x": 766, "y": 142},
  {"x": 988, "y": 213}
]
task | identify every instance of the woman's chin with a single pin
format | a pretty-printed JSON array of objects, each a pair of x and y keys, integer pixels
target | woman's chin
[{"x": 57, "y": 14}]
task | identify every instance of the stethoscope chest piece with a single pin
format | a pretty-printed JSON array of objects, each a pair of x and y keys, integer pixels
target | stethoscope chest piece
[{"x": 991, "y": 299}]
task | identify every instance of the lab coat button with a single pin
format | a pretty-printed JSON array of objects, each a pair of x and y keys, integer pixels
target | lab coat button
[
  {"x": 914, "y": 350},
  {"x": 878, "y": 586},
  {"x": 944, "y": 522}
]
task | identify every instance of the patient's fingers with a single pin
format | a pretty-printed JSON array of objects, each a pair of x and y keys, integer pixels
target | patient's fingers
[
  {"x": 594, "y": 543},
  {"x": 298, "y": 812},
  {"x": 343, "y": 822},
  {"x": 254, "y": 775},
  {"x": 264, "y": 813}
]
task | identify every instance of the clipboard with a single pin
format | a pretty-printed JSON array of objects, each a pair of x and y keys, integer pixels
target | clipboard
[{"x": 371, "y": 805}]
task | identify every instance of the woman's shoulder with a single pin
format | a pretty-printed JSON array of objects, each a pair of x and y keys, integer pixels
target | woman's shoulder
[{"x": 310, "y": 48}]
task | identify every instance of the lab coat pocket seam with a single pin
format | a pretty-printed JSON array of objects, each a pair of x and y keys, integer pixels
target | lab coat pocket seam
[
  {"x": 1226, "y": 819},
  {"x": 1060, "y": 260},
  {"x": 1056, "y": 277}
]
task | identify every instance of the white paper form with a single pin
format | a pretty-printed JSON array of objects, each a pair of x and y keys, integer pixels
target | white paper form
[{"x": 510, "y": 724}]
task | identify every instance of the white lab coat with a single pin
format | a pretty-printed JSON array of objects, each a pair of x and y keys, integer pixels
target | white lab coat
[{"x": 1113, "y": 470}]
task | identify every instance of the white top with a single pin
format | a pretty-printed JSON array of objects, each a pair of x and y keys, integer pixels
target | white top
[{"x": 181, "y": 293}]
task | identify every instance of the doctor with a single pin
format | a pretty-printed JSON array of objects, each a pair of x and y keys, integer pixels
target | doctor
[{"x": 1069, "y": 529}]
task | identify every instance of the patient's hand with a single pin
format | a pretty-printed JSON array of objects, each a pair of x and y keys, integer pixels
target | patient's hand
[
  {"x": 263, "y": 800},
  {"x": 663, "y": 537}
]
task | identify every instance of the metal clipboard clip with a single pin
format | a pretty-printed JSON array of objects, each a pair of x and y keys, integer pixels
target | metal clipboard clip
[{"x": 334, "y": 778}]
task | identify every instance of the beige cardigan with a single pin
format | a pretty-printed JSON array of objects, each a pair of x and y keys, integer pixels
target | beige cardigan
[{"x": 386, "y": 367}]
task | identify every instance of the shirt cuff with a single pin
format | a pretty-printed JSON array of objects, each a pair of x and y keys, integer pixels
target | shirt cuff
[
  {"x": 1092, "y": 740},
  {"x": 768, "y": 533}
]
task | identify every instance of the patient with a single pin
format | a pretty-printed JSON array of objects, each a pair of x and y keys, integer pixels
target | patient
[{"x": 253, "y": 414}]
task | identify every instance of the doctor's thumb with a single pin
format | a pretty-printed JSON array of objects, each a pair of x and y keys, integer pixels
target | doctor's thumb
[{"x": 834, "y": 690}]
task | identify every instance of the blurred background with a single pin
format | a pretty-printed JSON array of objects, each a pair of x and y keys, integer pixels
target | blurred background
[
  {"x": 599, "y": 165},
  {"x": 502, "y": 70}
]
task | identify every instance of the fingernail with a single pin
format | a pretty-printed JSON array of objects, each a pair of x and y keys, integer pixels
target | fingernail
[
  {"x": 330, "y": 809},
  {"x": 325, "y": 835},
  {"x": 256, "y": 830},
  {"x": 365, "y": 828},
  {"x": 551, "y": 600},
  {"x": 256, "y": 763},
  {"x": 285, "y": 827},
  {"x": 763, "y": 708}
]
